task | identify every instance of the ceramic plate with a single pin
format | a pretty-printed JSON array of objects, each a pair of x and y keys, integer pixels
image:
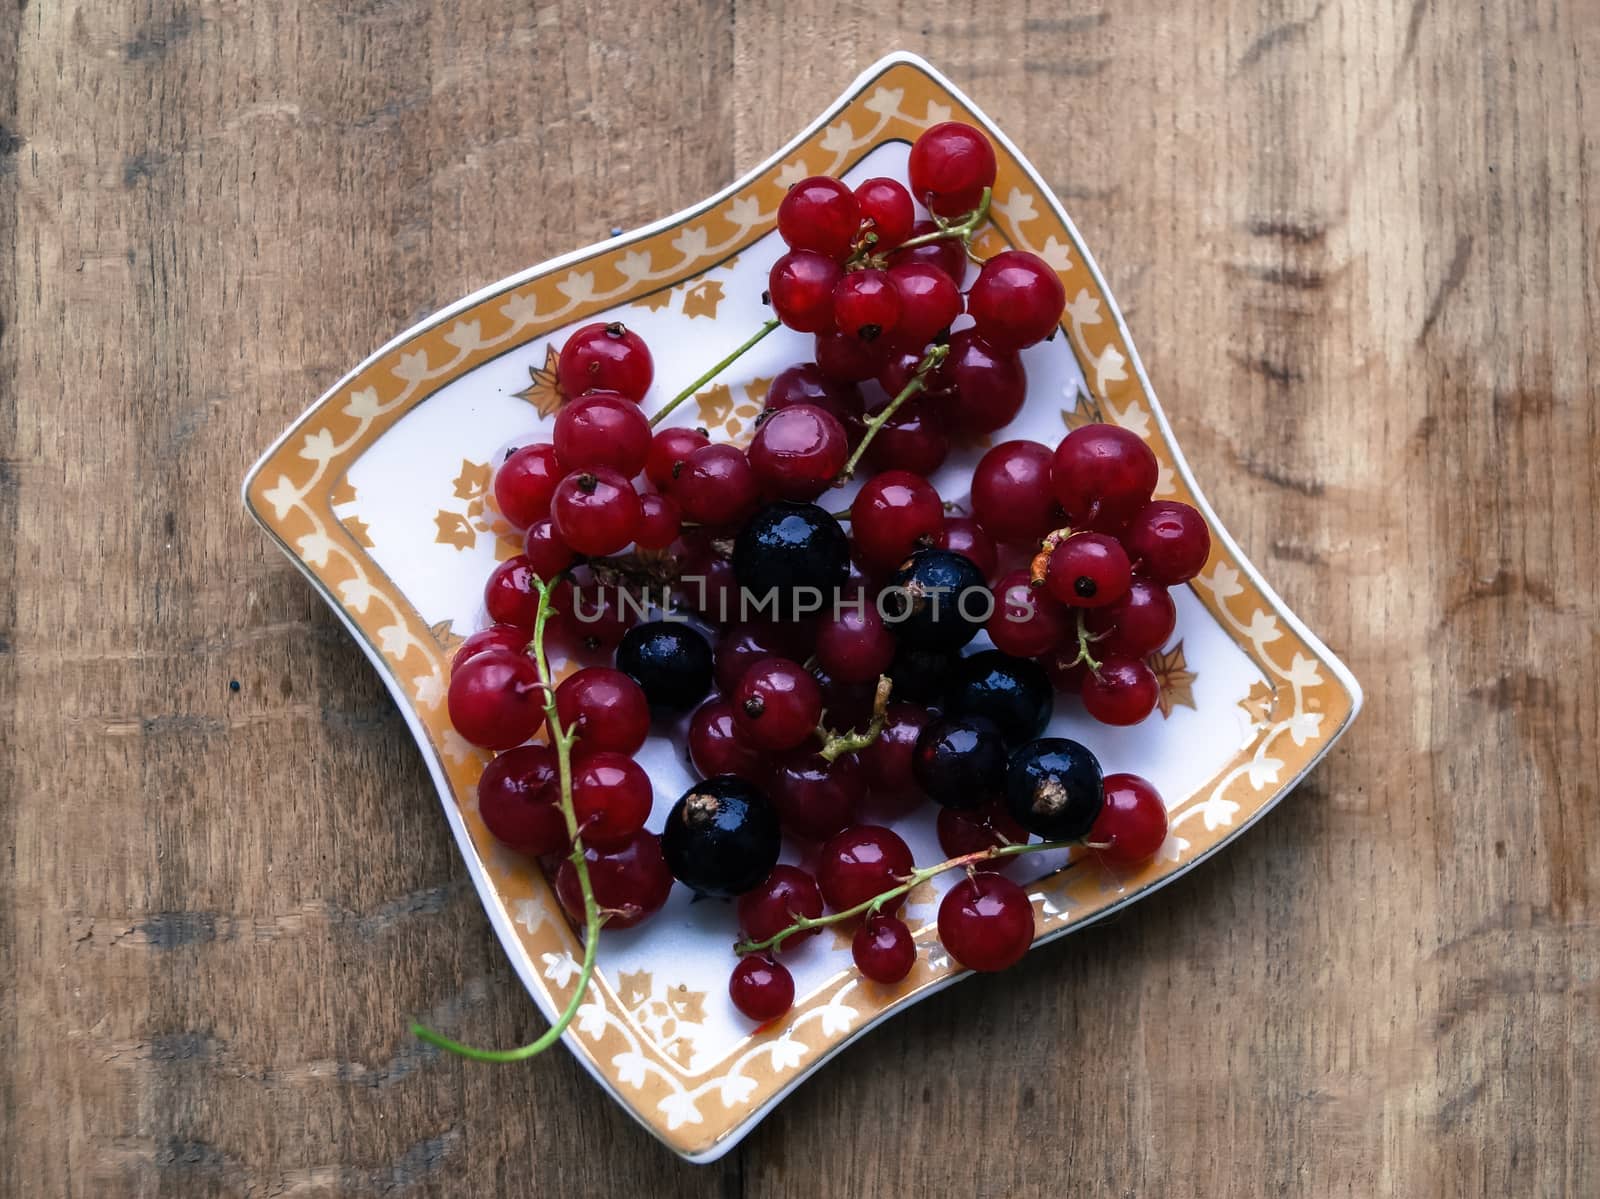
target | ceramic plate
[{"x": 380, "y": 494}]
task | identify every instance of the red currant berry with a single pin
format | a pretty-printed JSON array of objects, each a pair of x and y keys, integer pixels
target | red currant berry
[
  {"x": 801, "y": 290},
  {"x": 891, "y": 515},
  {"x": 1123, "y": 691},
  {"x": 716, "y": 486},
  {"x": 496, "y": 636},
  {"x": 986, "y": 922},
  {"x": 602, "y": 428},
  {"x": 495, "y": 699},
  {"x": 860, "y": 863},
  {"x": 853, "y": 644},
  {"x": 777, "y": 704},
  {"x": 950, "y": 166},
  {"x": 788, "y": 894},
  {"x": 929, "y": 301},
  {"x": 913, "y": 439},
  {"x": 819, "y": 214},
  {"x": 883, "y": 949},
  {"x": 1011, "y": 493},
  {"x": 886, "y": 763},
  {"x": 965, "y": 536},
  {"x": 797, "y": 451},
  {"x": 525, "y": 482},
  {"x": 1088, "y": 570},
  {"x": 715, "y": 746},
  {"x": 849, "y": 359},
  {"x": 630, "y": 882},
  {"x": 605, "y": 357},
  {"x": 866, "y": 305},
  {"x": 989, "y": 385},
  {"x": 707, "y": 582},
  {"x": 601, "y": 614},
  {"x": 1137, "y": 624},
  {"x": 510, "y": 594},
  {"x": 1026, "y": 622},
  {"x": 816, "y": 798},
  {"x": 1016, "y": 301},
  {"x": 806, "y": 383},
  {"x": 977, "y": 830},
  {"x": 1132, "y": 824},
  {"x": 1102, "y": 474},
  {"x": 1168, "y": 540},
  {"x": 947, "y": 253},
  {"x": 606, "y": 707},
  {"x": 517, "y": 799},
  {"x": 900, "y": 367},
  {"x": 888, "y": 205},
  {"x": 1066, "y": 668},
  {"x": 668, "y": 449},
  {"x": 546, "y": 553},
  {"x": 659, "y": 522},
  {"x": 596, "y": 512},
  {"x": 761, "y": 988},
  {"x": 740, "y": 646},
  {"x": 611, "y": 796}
]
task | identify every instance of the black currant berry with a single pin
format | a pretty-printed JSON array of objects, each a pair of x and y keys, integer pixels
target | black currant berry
[
  {"x": 1015, "y": 693},
  {"x": 670, "y": 661},
  {"x": 937, "y": 600},
  {"x": 794, "y": 551},
  {"x": 960, "y": 761},
  {"x": 921, "y": 675},
  {"x": 722, "y": 837},
  {"x": 1053, "y": 788}
]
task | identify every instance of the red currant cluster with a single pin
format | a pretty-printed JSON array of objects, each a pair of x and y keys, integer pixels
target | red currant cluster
[{"x": 847, "y": 692}]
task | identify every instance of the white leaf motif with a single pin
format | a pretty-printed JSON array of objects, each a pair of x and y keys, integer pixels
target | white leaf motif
[
  {"x": 466, "y": 336},
  {"x": 679, "y": 1109},
  {"x": 786, "y": 1052},
  {"x": 691, "y": 243},
  {"x": 592, "y": 1021},
  {"x": 521, "y": 310},
  {"x": 577, "y": 286},
  {"x": 1264, "y": 771},
  {"x": 629, "y": 1068},
  {"x": 363, "y": 404},
  {"x": 356, "y": 593},
  {"x": 745, "y": 211},
  {"x": 412, "y": 367},
  {"x": 838, "y": 138},
  {"x": 315, "y": 547},
  {"x": 735, "y": 1090},
  {"x": 885, "y": 101},
  {"x": 559, "y": 967},
  {"x": 318, "y": 446}
]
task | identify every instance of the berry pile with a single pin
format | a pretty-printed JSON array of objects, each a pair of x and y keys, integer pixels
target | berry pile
[{"x": 821, "y": 671}]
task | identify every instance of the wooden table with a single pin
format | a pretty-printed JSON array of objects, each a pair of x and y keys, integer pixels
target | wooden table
[{"x": 1356, "y": 244}]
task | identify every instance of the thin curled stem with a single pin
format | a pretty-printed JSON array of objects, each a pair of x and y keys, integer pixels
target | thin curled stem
[
  {"x": 836, "y": 745},
  {"x": 964, "y": 229}
]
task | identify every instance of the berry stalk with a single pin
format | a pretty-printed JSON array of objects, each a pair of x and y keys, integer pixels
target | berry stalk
[
  {"x": 561, "y": 739},
  {"x": 836, "y": 745},
  {"x": 919, "y": 382},
  {"x": 912, "y": 880},
  {"x": 711, "y": 374},
  {"x": 964, "y": 230}
]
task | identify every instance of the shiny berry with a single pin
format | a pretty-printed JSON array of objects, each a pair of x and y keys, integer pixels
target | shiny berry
[
  {"x": 1123, "y": 691},
  {"x": 960, "y": 761},
  {"x": 989, "y": 385},
  {"x": 495, "y": 699},
  {"x": 913, "y": 439},
  {"x": 606, "y": 707},
  {"x": 866, "y": 305},
  {"x": 849, "y": 359},
  {"x": 1102, "y": 474},
  {"x": 740, "y": 646},
  {"x": 1013, "y": 693},
  {"x": 853, "y": 645},
  {"x": 670, "y": 661},
  {"x": 605, "y": 357},
  {"x": 1168, "y": 541},
  {"x": 595, "y": 512},
  {"x": 777, "y": 704},
  {"x": 1027, "y": 622},
  {"x": 860, "y": 863},
  {"x": 1088, "y": 570},
  {"x": 929, "y": 302},
  {"x": 787, "y": 894},
  {"x": 806, "y": 383},
  {"x": 1132, "y": 824},
  {"x": 511, "y": 595},
  {"x": 721, "y": 838},
  {"x": 965, "y": 536},
  {"x": 919, "y": 674},
  {"x": 601, "y": 614},
  {"x": 716, "y": 747},
  {"x": 947, "y": 254},
  {"x": 659, "y": 522},
  {"x": 888, "y": 205},
  {"x": 546, "y": 553},
  {"x": 716, "y": 486},
  {"x": 800, "y": 287},
  {"x": 524, "y": 483},
  {"x": 950, "y": 165},
  {"x": 761, "y": 988},
  {"x": 1053, "y": 788},
  {"x": 1016, "y": 301},
  {"x": 602, "y": 428},
  {"x": 518, "y": 796},
  {"x": 936, "y": 600},
  {"x": 705, "y": 582},
  {"x": 891, "y": 515},
  {"x": 974, "y": 830},
  {"x": 496, "y": 636},
  {"x": 797, "y": 451},
  {"x": 886, "y": 764},
  {"x": 791, "y": 558},
  {"x": 819, "y": 214},
  {"x": 986, "y": 922},
  {"x": 1137, "y": 624},
  {"x": 611, "y": 795},
  {"x": 1011, "y": 493},
  {"x": 630, "y": 882},
  {"x": 816, "y": 798},
  {"x": 668, "y": 450},
  {"x": 883, "y": 949}
]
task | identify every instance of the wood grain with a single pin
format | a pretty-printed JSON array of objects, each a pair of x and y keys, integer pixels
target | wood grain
[{"x": 1356, "y": 246}]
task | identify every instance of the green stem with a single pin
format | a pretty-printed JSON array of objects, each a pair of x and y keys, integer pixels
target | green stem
[
  {"x": 712, "y": 373},
  {"x": 912, "y": 880},
  {"x": 919, "y": 382},
  {"x": 1084, "y": 639},
  {"x": 561, "y": 739},
  {"x": 835, "y": 745},
  {"x": 964, "y": 230}
]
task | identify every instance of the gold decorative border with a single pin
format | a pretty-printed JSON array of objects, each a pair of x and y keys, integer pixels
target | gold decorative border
[{"x": 293, "y": 490}]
